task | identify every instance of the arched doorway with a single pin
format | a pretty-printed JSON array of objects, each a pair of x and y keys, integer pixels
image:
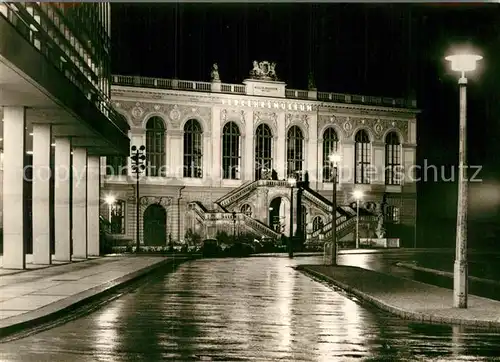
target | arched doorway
[
  {"x": 155, "y": 221},
  {"x": 274, "y": 215}
]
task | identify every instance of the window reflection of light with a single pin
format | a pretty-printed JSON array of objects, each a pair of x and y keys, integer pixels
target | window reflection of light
[
  {"x": 361, "y": 260},
  {"x": 285, "y": 295},
  {"x": 352, "y": 311}
]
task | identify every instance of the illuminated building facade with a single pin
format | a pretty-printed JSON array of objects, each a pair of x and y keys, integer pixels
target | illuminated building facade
[
  {"x": 55, "y": 108},
  {"x": 220, "y": 157}
]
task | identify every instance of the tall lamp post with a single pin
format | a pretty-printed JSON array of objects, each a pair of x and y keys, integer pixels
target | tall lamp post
[
  {"x": 234, "y": 227},
  {"x": 358, "y": 195},
  {"x": 462, "y": 62},
  {"x": 292, "y": 182},
  {"x": 138, "y": 166},
  {"x": 331, "y": 254}
]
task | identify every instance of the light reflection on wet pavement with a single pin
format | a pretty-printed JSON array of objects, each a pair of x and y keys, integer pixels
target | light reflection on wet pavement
[{"x": 246, "y": 309}]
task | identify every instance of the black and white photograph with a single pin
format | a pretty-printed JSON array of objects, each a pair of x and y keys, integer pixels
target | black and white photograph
[{"x": 249, "y": 181}]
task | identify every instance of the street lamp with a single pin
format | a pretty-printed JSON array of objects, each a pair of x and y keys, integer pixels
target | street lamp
[
  {"x": 330, "y": 256},
  {"x": 462, "y": 62},
  {"x": 138, "y": 166},
  {"x": 292, "y": 182},
  {"x": 234, "y": 227},
  {"x": 358, "y": 195}
]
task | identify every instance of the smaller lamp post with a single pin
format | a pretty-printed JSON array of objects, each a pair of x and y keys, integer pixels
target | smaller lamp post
[
  {"x": 358, "y": 195},
  {"x": 138, "y": 166},
  {"x": 331, "y": 254},
  {"x": 234, "y": 227},
  {"x": 292, "y": 182}
]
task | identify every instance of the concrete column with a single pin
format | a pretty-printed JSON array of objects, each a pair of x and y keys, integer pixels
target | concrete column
[
  {"x": 79, "y": 204},
  {"x": 93, "y": 202},
  {"x": 62, "y": 199},
  {"x": 14, "y": 149},
  {"x": 41, "y": 194}
]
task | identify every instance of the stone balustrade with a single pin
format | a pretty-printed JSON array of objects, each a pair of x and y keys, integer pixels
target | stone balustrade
[{"x": 188, "y": 85}]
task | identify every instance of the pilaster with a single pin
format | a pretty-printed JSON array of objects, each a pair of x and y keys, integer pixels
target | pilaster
[
  {"x": 248, "y": 150},
  {"x": 279, "y": 145},
  {"x": 348, "y": 167},
  {"x": 378, "y": 161},
  {"x": 216, "y": 146},
  {"x": 312, "y": 160}
]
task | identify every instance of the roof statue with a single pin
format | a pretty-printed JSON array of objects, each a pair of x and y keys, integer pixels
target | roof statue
[
  {"x": 311, "y": 84},
  {"x": 214, "y": 74},
  {"x": 263, "y": 70}
]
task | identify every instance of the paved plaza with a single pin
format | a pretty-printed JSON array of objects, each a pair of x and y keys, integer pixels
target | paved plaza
[
  {"x": 34, "y": 294},
  {"x": 407, "y": 298}
]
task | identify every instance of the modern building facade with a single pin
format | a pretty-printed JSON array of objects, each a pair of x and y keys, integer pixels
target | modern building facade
[
  {"x": 230, "y": 156},
  {"x": 55, "y": 110}
]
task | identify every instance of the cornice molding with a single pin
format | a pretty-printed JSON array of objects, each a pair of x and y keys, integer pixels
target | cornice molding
[{"x": 126, "y": 93}]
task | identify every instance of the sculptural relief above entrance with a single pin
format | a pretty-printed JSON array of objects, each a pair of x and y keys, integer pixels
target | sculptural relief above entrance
[{"x": 263, "y": 70}]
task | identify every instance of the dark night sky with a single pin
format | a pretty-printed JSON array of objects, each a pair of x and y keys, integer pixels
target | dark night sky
[{"x": 377, "y": 49}]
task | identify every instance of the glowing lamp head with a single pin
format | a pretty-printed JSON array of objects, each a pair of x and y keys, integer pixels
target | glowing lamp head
[
  {"x": 334, "y": 158},
  {"x": 292, "y": 181},
  {"x": 463, "y": 62},
  {"x": 110, "y": 199},
  {"x": 358, "y": 194}
]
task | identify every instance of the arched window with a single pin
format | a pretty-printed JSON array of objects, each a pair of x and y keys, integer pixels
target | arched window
[
  {"x": 362, "y": 157},
  {"x": 317, "y": 223},
  {"x": 116, "y": 165},
  {"x": 392, "y": 159},
  {"x": 116, "y": 217},
  {"x": 193, "y": 149},
  {"x": 330, "y": 146},
  {"x": 155, "y": 147},
  {"x": 295, "y": 153},
  {"x": 263, "y": 151},
  {"x": 231, "y": 151},
  {"x": 247, "y": 210}
]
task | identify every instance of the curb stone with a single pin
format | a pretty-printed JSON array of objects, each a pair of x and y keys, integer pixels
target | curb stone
[
  {"x": 55, "y": 310},
  {"x": 404, "y": 314},
  {"x": 444, "y": 273}
]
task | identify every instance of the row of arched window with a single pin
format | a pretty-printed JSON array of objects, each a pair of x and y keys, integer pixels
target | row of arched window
[
  {"x": 116, "y": 217},
  {"x": 263, "y": 152}
]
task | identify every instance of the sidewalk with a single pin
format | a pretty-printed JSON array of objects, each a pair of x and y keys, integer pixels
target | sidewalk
[
  {"x": 33, "y": 297},
  {"x": 407, "y": 298}
]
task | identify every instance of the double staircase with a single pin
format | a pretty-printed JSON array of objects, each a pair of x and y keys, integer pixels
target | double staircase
[
  {"x": 210, "y": 218},
  {"x": 219, "y": 213}
]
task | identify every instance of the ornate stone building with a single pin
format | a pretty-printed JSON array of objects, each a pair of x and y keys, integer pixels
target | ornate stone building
[{"x": 220, "y": 156}]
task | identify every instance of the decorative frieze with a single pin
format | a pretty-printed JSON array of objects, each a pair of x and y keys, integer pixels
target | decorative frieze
[
  {"x": 173, "y": 114},
  {"x": 267, "y": 117},
  {"x": 164, "y": 201},
  {"x": 232, "y": 115},
  {"x": 297, "y": 119},
  {"x": 377, "y": 127}
]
